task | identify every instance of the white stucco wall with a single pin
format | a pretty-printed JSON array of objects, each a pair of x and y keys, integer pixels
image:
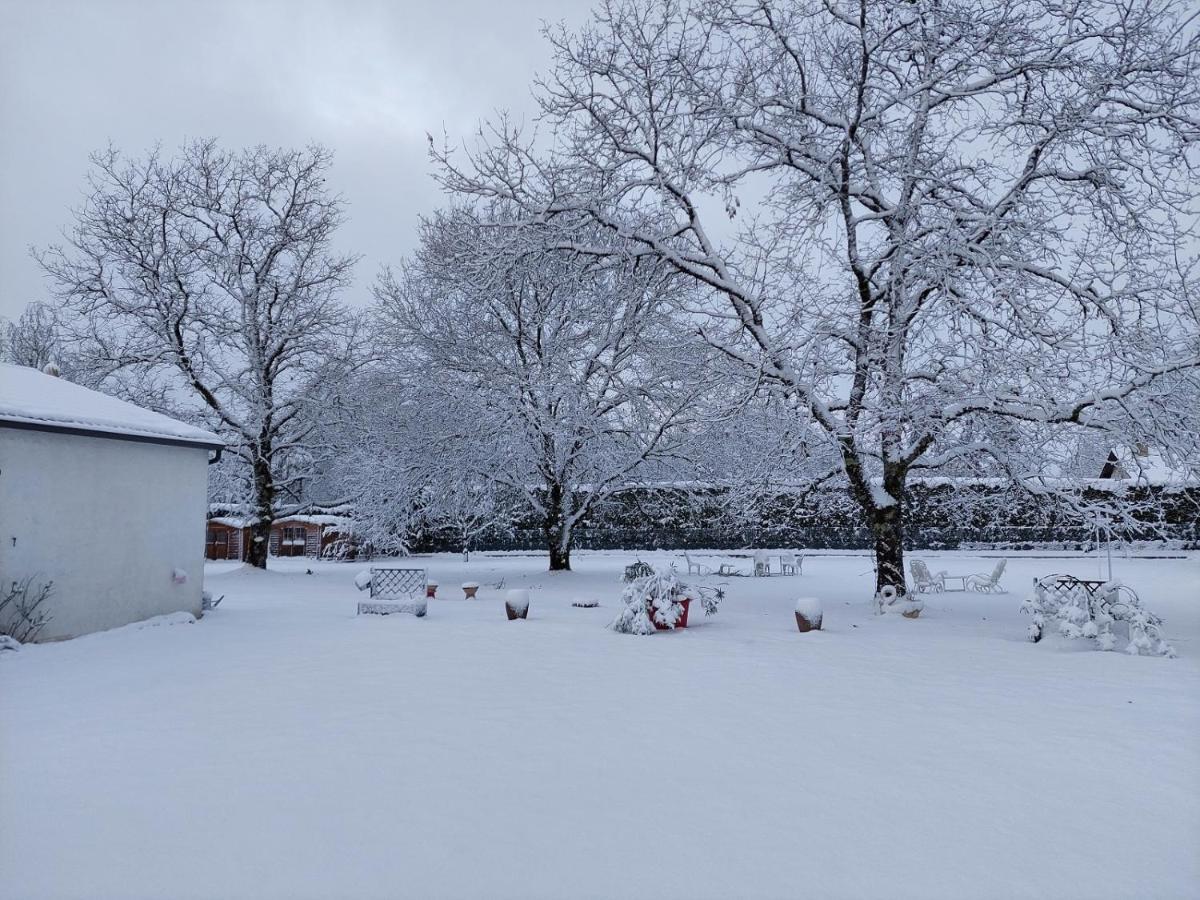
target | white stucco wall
[{"x": 107, "y": 520}]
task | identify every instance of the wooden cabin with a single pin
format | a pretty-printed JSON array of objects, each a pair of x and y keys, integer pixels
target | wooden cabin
[{"x": 227, "y": 537}]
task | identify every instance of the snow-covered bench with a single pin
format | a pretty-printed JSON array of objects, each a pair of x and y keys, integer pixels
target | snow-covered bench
[{"x": 393, "y": 590}]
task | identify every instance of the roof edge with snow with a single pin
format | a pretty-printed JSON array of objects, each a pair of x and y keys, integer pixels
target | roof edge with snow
[{"x": 33, "y": 401}]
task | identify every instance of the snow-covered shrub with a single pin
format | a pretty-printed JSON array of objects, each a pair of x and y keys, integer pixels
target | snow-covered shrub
[
  {"x": 1111, "y": 611},
  {"x": 21, "y": 614},
  {"x": 638, "y": 570},
  {"x": 658, "y": 598}
]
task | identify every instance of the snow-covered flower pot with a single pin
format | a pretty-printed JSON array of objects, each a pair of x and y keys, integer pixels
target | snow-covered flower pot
[
  {"x": 470, "y": 589},
  {"x": 809, "y": 614},
  {"x": 660, "y": 602},
  {"x": 431, "y": 589},
  {"x": 681, "y": 622},
  {"x": 516, "y": 604}
]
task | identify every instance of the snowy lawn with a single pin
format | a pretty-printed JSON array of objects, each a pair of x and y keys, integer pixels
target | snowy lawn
[{"x": 283, "y": 747}]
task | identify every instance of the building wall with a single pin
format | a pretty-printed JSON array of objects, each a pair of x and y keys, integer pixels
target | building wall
[{"x": 108, "y": 521}]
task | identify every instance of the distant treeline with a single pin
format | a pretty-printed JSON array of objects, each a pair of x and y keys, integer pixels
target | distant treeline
[{"x": 943, "y": 516}]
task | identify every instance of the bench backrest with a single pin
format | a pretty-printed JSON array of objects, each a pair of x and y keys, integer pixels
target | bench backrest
[
  {"x": 397, "y": 583},
  {"x": 920, "y": 572},
  {"x": 998, "y": 571}
]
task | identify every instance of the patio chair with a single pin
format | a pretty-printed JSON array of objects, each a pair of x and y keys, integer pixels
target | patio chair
[
  {"x": 791, "y": 563},
  {"x": 988, "y": 584},
  {"x": 693, "y": 566},
  {"x": 762, "y": 563},
  {"x": 923, "y": 580}
]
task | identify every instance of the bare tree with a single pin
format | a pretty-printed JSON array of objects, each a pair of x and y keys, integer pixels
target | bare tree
[
  {"x": 210, "y": 279},
  {"x": 35, "y": 339},
  {"x": 972, "y": 226},
  {"x": 568, "y": 374}
]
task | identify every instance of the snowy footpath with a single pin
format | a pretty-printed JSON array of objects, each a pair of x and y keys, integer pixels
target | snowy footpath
[{"x": 284, "y": 748}]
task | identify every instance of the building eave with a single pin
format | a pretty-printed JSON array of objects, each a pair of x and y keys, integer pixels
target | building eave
[{"x": 168, "y": 440}]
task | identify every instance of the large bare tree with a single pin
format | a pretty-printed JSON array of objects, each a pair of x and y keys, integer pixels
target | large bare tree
[
  {"x": 568, "y": 375},
  {"x": 210, "y": 280},
  {"x": 963, "y": 228}
]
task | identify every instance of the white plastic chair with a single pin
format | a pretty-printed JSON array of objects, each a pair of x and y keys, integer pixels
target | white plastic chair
[
  {"x": 695, "y": 567},
  {"x": 923, "y": 580},
  {"x": 762, "y": 563},
  {"x": 988, "y": 584},
  {"x": 791, "y": 563}
]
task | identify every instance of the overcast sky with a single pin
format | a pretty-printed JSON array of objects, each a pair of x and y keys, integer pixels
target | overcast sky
[{"x": 367, "y": 79}]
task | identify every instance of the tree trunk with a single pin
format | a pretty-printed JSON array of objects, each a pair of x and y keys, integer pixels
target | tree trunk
[
  {"x": 558, "y": 538},
  {"x": 264, "y": 511},
  {"x": 888, "y": 526},
  {"x": 887, "y": 523}
]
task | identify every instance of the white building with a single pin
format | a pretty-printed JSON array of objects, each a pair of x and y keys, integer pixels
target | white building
[{"x": 103, "y": 498}]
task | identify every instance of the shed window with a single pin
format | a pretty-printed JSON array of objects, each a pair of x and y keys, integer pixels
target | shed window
[{"x": 293, "y": 534}]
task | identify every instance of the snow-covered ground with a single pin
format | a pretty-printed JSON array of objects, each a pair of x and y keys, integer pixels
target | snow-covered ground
[{"x": 283, "y": 747}]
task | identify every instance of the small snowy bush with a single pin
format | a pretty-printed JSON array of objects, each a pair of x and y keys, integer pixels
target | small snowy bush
[
  {"x": 658, "y": 597},
  {"x": 1094, "y": 616},
  {"x": 22, "y": 616}
]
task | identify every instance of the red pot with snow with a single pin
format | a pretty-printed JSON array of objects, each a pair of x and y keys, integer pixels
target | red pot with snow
[
  {"x": 809, "y": 614},
  {"x": 431, "y": 589},
  {"x": 682, "y": 623},
  {"x": 516, "y": 604}
]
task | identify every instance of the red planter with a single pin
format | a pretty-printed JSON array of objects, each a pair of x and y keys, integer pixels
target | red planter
[{"x": 682, "y": 623}]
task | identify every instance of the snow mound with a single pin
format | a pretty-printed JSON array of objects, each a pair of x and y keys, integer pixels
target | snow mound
[{"x": 809, "y": 607}]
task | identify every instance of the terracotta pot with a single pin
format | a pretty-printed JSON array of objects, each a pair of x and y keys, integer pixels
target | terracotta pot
[
  {"x": 682, "y": 623},
  {"x": 805, "y": 625},
  {"x": 515, "y": 614},
  {"x": 911, "y": 614},
  {"x": 431, "y": 589},
  {"x": 470, "y": 591}
]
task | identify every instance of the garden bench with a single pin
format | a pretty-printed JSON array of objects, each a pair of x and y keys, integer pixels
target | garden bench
[{"x": 395, "y": 590}]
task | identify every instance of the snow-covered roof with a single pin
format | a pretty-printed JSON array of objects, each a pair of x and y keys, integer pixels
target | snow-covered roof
[
  {"x": 338, "y": 521},
  {"x": 232, "y": 521},
  {"x": 33, "y": 399}
]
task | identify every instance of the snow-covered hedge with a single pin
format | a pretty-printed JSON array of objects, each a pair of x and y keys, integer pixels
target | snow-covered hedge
[{"x": 1113, "y": 611}]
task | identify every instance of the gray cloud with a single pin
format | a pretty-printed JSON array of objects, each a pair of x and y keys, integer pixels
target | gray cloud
[{"x": 367, "y": 79}]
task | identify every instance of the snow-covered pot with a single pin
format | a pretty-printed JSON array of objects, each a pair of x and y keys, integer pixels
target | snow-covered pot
[
  {"x": 686, "y": 603},
  {"x": 431, "y": 588},
  {"x": 516, "y": 604},
  {"x": 470, "y": 588},
  {"x": 809, "y": 614}
]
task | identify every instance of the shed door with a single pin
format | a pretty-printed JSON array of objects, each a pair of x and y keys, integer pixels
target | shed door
[{"x": 217, "y": 545}]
